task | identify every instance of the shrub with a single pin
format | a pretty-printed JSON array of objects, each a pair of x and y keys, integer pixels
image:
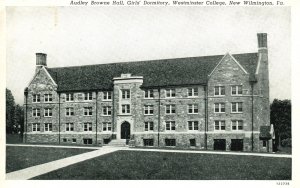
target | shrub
[{"x": 286, "y": 142}]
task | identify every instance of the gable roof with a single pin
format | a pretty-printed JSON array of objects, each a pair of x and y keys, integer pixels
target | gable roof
[{"x": 156, "y": 73}]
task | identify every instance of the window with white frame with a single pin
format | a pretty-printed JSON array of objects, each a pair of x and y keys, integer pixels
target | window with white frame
[
  {"x": 219, "y": 90},
  {"x": 87, "y": 127},
  {"x": 125, "y": 109},
  {"x": 35, "y": 127},
  {"x": 170, "y": 126},
  {"x": 48, "y": 97},
  {"x": 48, "y": 127},
  {"x": 106, "y": 126},
  {"x": 170, "y": 93},
  {"x": 219, "y": 107},
  {"x": 236, "y": 90},
  {"x": 193, "y": 92},
  {"x": 69, "y": 97},
  {"x": 88, "y": 111},
  {"x": 125, "y": 93},
  {"x": 69, "y": 111},
  {"x": 237, "y": 107},
  {"x": 36, "y": 98},
  {"x": 107, "y": 96},
  {"x": 170, "y": 109},
  {"x": 36, "y": 112},
  {"x": 149, "y": 94},
  {"x": 220, "y": 125},
  {"x": 88, "y": 96},
  {"x": 237, "y": 125},
  {"x": 148, "y": 109},
  {"x": 193, "y": 125},
  {"x": 69, "y": 127},
  {"x": 106, "y": 110},
  {"x": 193, "y": 109},
  {"x": 48, "y": 112},
  {"x": 149, "y": 126}
]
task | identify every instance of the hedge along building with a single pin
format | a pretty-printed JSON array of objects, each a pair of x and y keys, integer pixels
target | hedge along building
[{"x": 212, "y": 102}]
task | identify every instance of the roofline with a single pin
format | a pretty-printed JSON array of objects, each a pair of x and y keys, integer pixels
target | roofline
[
  {"x": 43, "y": 67},
  {"x": 143, "y": 61}
]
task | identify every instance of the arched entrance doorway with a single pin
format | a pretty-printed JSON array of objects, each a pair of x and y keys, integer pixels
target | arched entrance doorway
[{"x": 125, "y": 130}]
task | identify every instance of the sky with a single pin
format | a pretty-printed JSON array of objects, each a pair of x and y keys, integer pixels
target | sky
[{"x": 74, "y": 36}]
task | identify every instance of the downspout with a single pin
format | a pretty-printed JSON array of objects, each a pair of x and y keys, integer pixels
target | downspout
[
  {"x": 113, "y": 113},
  {"x": 206, "y": 116},
  {"x": 96, "y": 115},
  {"x": 26, "y": 117},
  {"x": 252, "y": 117},
  {"x": 158, "y": 125},
  {"x": 58, "y": 118}
]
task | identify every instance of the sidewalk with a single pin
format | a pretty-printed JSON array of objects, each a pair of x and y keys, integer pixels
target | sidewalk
[{"x": 34, "y": 171}]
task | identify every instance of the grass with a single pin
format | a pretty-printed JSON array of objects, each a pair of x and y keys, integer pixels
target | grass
[
  {"x": 143, "y": 165},
  {"x": 18, "y": 158}
]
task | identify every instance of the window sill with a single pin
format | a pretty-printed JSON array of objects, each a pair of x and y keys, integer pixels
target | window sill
[
  {"x": 110, "y": 100},
  {"x": 193, "y": 113},
  {"x": 236, "y": 112},
  {"x": 219, "y": 112},
  {"x": 148, "y": 114}
]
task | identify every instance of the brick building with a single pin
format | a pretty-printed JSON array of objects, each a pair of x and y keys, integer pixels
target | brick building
[{"x": 216, "y": 102}]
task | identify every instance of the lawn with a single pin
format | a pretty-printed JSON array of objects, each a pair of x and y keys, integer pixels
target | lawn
[
  {"x": 14, "y": 139},
  {"x": 144, "y": 165},
  {"x": 18, "y": 158}
]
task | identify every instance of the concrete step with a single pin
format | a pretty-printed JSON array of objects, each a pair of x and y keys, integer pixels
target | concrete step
[{"x": 117, "y": 143}]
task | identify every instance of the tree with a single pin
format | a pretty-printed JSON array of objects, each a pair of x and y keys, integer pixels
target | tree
[
  {"x": 10, "y": 111},
  {"x": 281, "y": 119},
  {"x": 19, "y": 119}
]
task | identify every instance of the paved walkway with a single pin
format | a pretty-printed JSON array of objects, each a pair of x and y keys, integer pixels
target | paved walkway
[{"x": 33, "y": 171}]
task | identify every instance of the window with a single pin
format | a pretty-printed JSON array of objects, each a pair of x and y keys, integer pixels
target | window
[
  {"x": 87, "y": 127},
  {"x": 219, "y": 90},
  {"x": 48, "y": 112},
  {"x": 193, "y": 125},
  {"x": 265, "y": 143},
  {"x": 193, "y": 142},
  {"x": 148, "y": 142},
  {"x": 74, "y": 140},
  {"x": 236, "y": 90},
  {"x": 193, "y": 92},
  {"x": 219, "y": 107},
  {"x": 36, "y": 98},
  {"x": 88, "y": 111},
  {"x": 69, "y": 111},
  {"x": 125, "y": 94},
  {"x": 69, "y": 97},
  {"x": 36, "y": 112},
  {"x": 149, "y": 126},
  {"x": 149, "y": 94},
  {"x": 170, "y": 142},
  {"x": 107, "y": 95},
  {"x": 87, "y": 141},
  {"x": 48, "y": 97},
  {"x": 170, "y": 126},
  {"x": 106, "y": 126},
  {"x": 88, "y": 96},
  {"x": 237, "y": 107},
  {"x": 125, "y": 109},
  {"x": 193, "y": 109},
  {"x": 69, "y": 126},
  {"x": 48, "y": 127},
  {"x": 219, "y": 125},
  {"x": 237, "y": 125},
  {"x": 106, "y": 110},
  {"x": 35, "y": 127},
  {"x": 170, "y": 109},
  {"x": 64, "y": 140},
  {"x": 148, "y": 109},
  {"x": 170, "y": 93}
]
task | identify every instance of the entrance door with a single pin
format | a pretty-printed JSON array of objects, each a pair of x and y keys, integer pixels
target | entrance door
[
  {"x": 219, "y": 144},
  {"x": 125, "y": 130},
  {"x": 237, "y": 144}
]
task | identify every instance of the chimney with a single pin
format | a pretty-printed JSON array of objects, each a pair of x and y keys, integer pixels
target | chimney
[
  {"x": 41, "y": 61},
  {"x": 262, "y": 41}
]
